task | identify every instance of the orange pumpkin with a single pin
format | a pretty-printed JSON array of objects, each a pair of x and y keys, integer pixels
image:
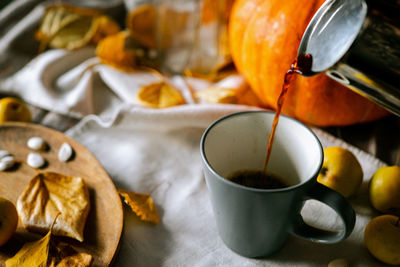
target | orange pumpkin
[{"x": 264, "y": 38}]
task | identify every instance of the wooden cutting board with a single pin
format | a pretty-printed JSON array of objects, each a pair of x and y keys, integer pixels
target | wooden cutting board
[{"x": 105, "y": 221}]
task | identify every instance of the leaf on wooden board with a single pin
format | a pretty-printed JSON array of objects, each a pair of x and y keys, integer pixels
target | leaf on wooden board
[
  {"x": 33, "y": 253},
  {"x": 50, "y": 193},
  {"x": 47, "y": 252},
  {"x": 64, "y": 255}
]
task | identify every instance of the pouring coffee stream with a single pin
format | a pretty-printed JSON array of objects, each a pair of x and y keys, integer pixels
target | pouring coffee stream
[
  {"x": 301, "y": 65},
  {"x": 262, "y": 179}
]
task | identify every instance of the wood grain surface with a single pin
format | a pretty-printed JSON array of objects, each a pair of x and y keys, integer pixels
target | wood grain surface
[{"x": 105, "y": 221}]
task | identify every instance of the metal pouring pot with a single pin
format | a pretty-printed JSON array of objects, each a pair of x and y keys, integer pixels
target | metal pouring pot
[{"x": 357, "y": 43}]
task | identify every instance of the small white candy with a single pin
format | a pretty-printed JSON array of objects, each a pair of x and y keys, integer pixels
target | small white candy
[
  {"x": 3, "y": 153},
  {"x": 3, "y": 166},
  {"x": 65, "y": 152},
  {"x": 35, "y": 160},
  {"x": 6, "y": 162},
  {"x": 7, "y": 158},
  {"x": 36, "y": 143}
]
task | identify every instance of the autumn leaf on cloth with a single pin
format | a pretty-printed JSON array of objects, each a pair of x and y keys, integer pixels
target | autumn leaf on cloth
[
  {"x": 142, "y": 205},
  {"x": 50, "y": 193},
  {"x": 232, "y": 89},
  {"x": 115, "y": 51},
  {"x": 160, "y": 95},
  {"x": 219, "y": 72},
  {"x": 46, "y": 252},
  {"x": 72, "y": 27},
  {"x": 218, "y": 95}
]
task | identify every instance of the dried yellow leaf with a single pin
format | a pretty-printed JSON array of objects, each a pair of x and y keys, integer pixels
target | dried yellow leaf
[
  {"x": 66, "y": 256},
  {"x": 72, "y": 27},
  {"x": 218, "y": 95},
  {"x": 75, "y": 35},
  {"x": 220, "y": 71},
  {"x": 141, "y": 23},
  {"x": 113, "y": 51},
  {"x": 33, "y": 253},
  {"x": 142, "y": 205},
  {"x": 45, "y": 252},
  {"x": 106, "y": 26},
  {"x": 50, "y": 193},
  {"x": 160, "y": 95},
  {"x": 76, "y": 260}
]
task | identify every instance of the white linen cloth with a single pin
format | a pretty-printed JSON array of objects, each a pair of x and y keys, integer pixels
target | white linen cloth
[{"x": 157, "y": 152}]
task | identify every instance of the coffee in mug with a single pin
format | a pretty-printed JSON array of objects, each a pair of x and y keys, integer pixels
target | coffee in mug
[{"x": 258, "y": 179}]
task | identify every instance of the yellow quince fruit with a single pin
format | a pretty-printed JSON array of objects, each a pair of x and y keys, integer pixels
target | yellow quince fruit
[
  {"x": 13, "y": 109},
  {"x": 341, "y": 171},
  {"x": 384, "y": 189}
]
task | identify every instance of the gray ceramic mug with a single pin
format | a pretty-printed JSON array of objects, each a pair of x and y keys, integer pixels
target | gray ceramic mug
[{"x": 256, "y": 222}]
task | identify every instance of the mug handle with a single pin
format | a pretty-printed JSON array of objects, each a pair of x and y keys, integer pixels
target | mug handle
[{"x": 338, "y": 203}]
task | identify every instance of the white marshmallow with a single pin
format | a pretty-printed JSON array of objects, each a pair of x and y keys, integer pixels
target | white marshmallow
[
  {"x": 35, "y": 160},
  {"x": 3, "y": 153},
  {"x": 65, "y": 152},
  {"x": 36, "y": 143},
  {"x": 6, "y": 162}
]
